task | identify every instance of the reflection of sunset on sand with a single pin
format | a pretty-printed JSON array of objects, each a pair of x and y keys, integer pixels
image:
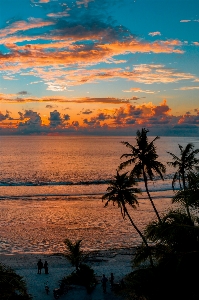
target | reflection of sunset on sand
[
  {"x": 42, "y": 226},
  {"x": 51, "y": 189}
]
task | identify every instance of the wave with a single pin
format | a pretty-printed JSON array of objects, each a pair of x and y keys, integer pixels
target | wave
[
  {"x": 82, "y": 194},
  {"x": 52, "y": 183},
  {"x": 48, "y": 182}
]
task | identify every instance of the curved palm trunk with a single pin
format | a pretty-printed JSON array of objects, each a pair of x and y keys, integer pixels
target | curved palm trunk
[
  {"x": 184, "y": 187},
  {"x": 141, "y": 235},
  {"x": 152, "y": 203}
]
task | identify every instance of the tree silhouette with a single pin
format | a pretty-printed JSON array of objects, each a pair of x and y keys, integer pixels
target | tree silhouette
[
  {"x": 143, "y": 157},
  {"x": 73, "y": 253},
  {"x": 185, "y": 165},
  {"x": 12, "y": 285},
  {"x": 121, "y": 192},
  {"x": 191, "y": 195}
]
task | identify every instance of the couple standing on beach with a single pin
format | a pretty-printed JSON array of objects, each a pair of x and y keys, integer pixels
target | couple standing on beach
[
  {"x": 40, "y": 266},
  {"x": 104, "y": 281}
]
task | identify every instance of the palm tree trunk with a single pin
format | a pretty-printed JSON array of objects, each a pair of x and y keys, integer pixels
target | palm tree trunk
[
  {"x": 141, "y": 235},
  {"x": 185, "y": 198},
  {"x": 152, "y": 203}
]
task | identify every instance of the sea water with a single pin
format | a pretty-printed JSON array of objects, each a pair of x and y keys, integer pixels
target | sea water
[{"x": 51, "y": 189}]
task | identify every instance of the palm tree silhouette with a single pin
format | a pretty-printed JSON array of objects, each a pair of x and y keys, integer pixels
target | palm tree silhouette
[
  {"x": 12, "y": 285},
  {"x": 122, "y": 192},
  {"x": 144, "y": 158},
  {"x": 191, "y": 194},
  {"x": 73, "y": 253},
  {"x": 173, "y": 238},
  {"x": 185, "y": 164}
]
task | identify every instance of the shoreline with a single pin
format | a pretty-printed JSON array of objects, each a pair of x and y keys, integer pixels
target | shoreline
[
  {"x": 21, "y": 259},
  {"x": 116, "y": 261}
]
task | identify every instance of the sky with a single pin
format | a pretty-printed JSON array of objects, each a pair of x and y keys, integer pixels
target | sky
[{"x": 103, "y": 67}]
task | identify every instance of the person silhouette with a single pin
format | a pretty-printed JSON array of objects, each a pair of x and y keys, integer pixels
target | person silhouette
[
  {"x": 46, "y": 267},
  {"x": 112, "y": 280},
  {"x": 104, "y": 281},
  {"x": 39, "y": 266}
]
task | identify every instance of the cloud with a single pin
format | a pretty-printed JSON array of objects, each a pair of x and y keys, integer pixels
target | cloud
[
  {"x": 66, "y": 117},
  {"x": 55, "y": 119},
  {"x": 112, "y": 100},
  {"x": 87, "y": 112},
  {"x": 40, "y": 1},
  {"x": 83, "y": 2},
  {"x": 95, "y": 121},
  {"x": 75, "y": 124},
  {"x": 123, "y": 120},
  {"x": 44, "y": 1},
  {"x": 59, "y": 14},
  {"x": 154, "y": 33},
  {"x": 189, "y": 119},
  {"x": 62, "y": 80},
  {"x": 9, "y": 78},
  {"x": 22, "y": 93},
  {"x": 188, "y": 88},
  {"x": 70, "y": 44},
  {"x": 23, "y": 26},
  {"x": 32, "y": 122},
  {"x": 4, "y": 116},
  {"x": 138, "y": 90},
  {"x": 185, "y": 21}
]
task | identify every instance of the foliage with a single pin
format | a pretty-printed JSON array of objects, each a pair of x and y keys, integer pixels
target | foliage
[
  {"x": 121, "y": 191},
  {"x": 73, "y": 252},
  {"x": 184, "y": 164},
  {"x": 189, "y": 196},
  {"x": 176, "y": 253},
  {"x": 172, "y": 241},
  {"x": 12, "y": 286},
  {"x": 143, "y": 157},
  {"x": 174, "y": 280},
  {"x": 84, "y": 276}
]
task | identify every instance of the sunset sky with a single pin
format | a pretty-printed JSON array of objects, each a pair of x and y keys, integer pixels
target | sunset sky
[{"x": 99, "y": 66}]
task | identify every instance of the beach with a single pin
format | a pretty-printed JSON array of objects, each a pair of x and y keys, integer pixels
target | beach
[
  {"x": 102, "y": 262},
  {"x": 49, "y": 196}
]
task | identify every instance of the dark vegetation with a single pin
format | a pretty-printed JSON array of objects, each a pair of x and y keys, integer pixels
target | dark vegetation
[
  {"x": 12, "y": 286},
  {"x": 166, "y": 264},
  {"x": 82, "y": 275}
]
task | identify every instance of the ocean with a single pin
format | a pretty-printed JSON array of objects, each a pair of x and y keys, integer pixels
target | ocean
[{"x": 51, "y": 189}]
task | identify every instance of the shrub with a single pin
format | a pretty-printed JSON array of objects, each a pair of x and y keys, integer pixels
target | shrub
[
  {"x": 83, "y": 276},
  {"x": 12, "y": 286}
]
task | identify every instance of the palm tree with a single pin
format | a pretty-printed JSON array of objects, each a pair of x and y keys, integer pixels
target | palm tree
[
  {"x": 74, "y": 254},
  {"x": 191, "y": 194},
  {"x": 122, "y": 192},
  {"x": 185, "y": 164},
  {"x": 12, "y": 285},
  {"x": 173, "y": 237},
  {"x": 144, "y": 158}
]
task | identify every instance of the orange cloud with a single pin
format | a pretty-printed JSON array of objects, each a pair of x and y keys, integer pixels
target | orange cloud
[
  {"x": 127, "y": 117},
  {"x": 23, "y": 26},
  {"x": 85, "y": 2}
]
